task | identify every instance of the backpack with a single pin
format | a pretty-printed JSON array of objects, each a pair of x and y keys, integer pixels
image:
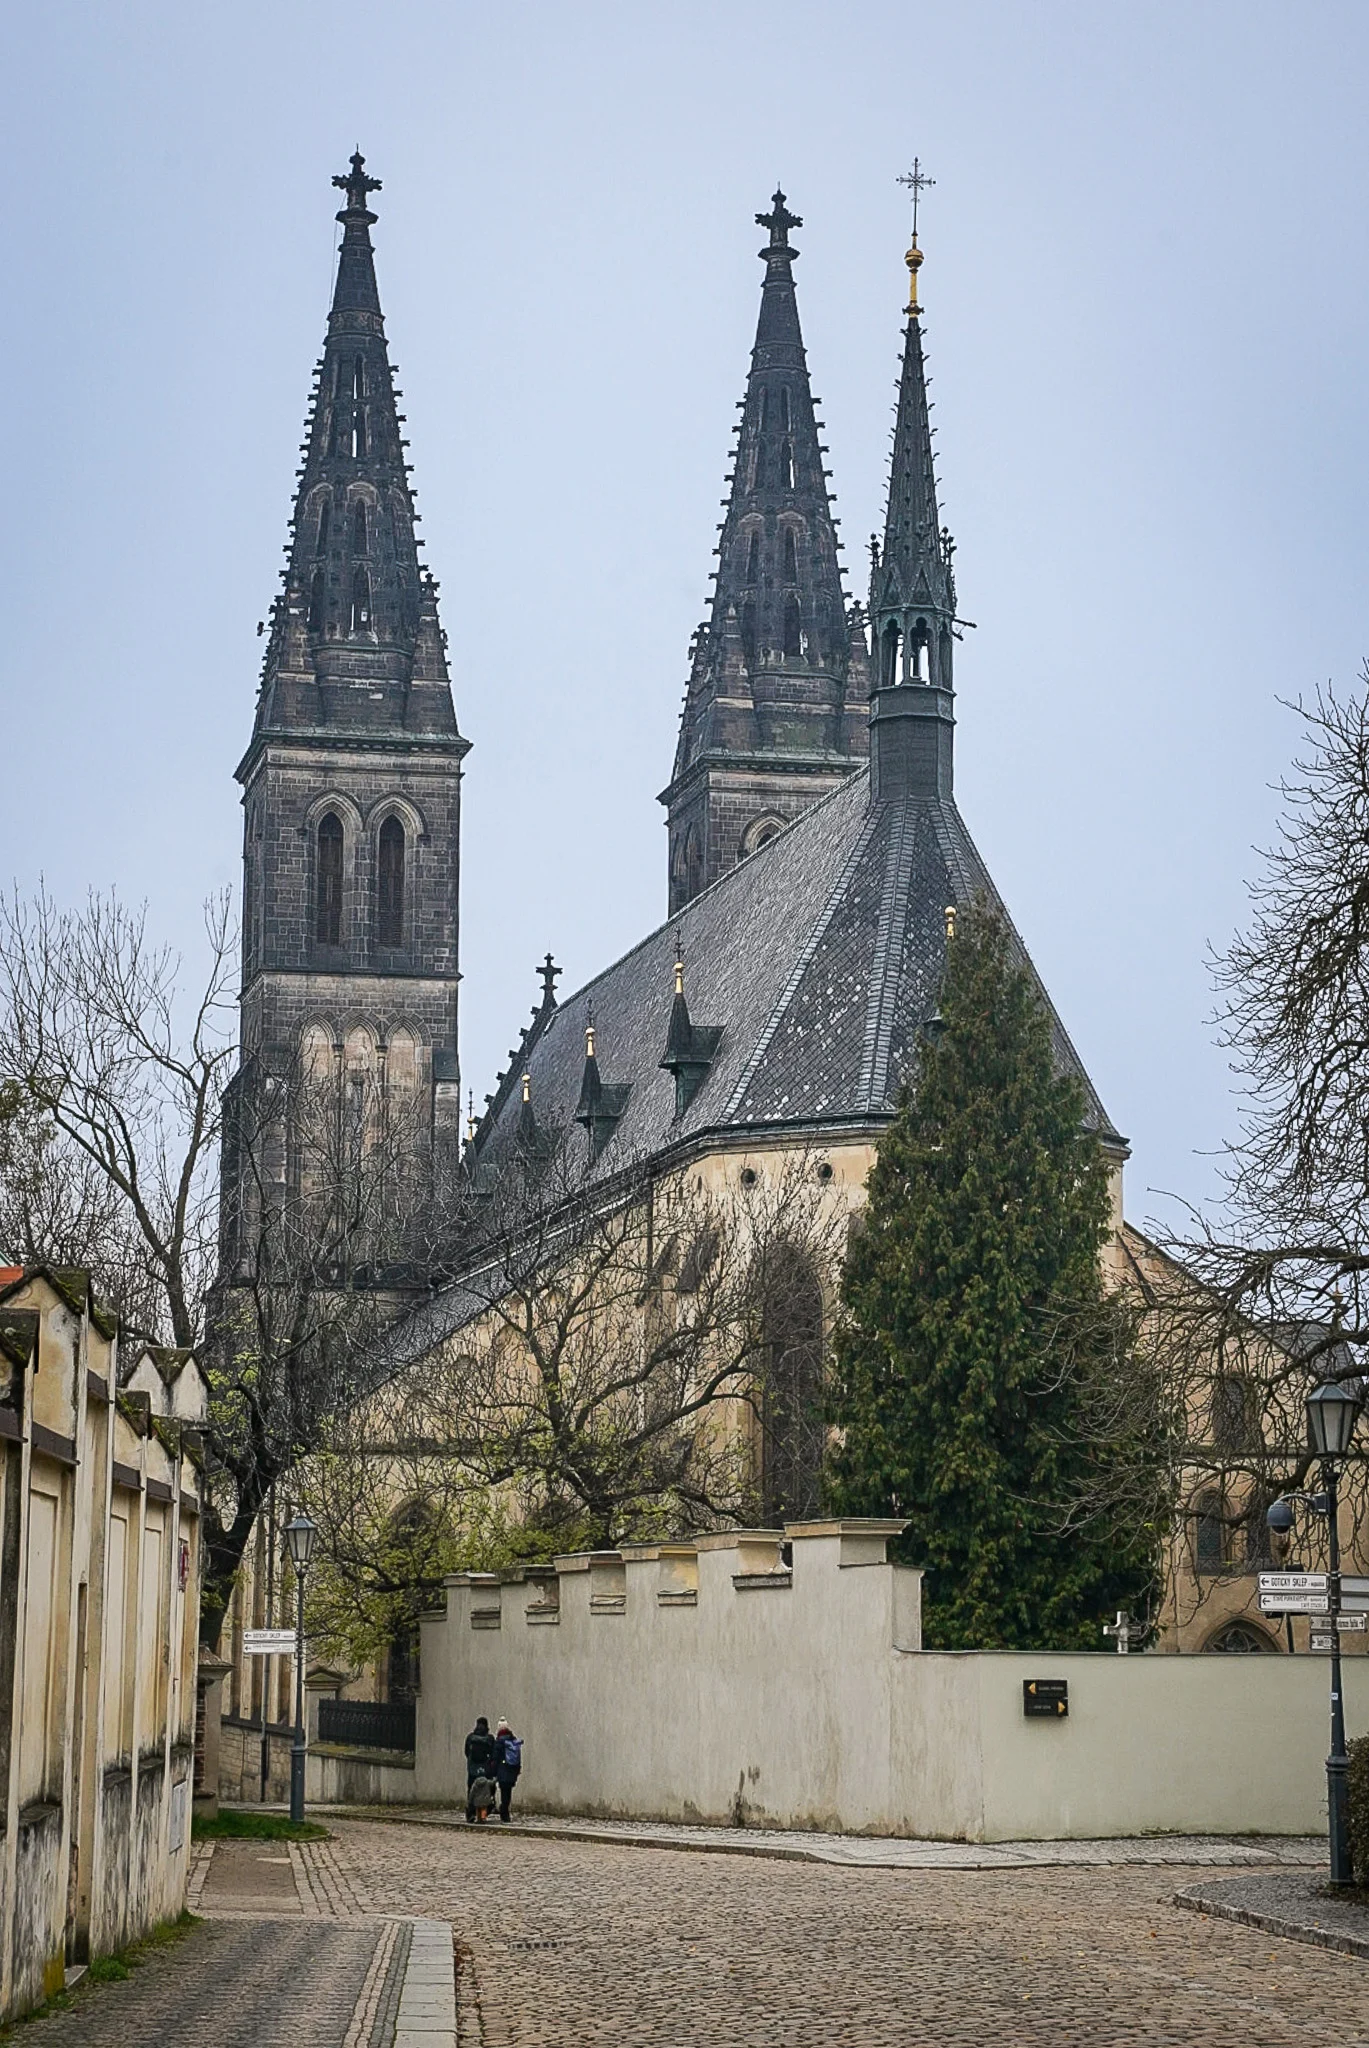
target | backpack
[{"x": 513, "y": 1752}]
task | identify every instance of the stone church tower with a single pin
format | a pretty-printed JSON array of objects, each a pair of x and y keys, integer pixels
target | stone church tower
[
  {"x": 776, "y": 713},
  {"x": 352, "y": 781}
]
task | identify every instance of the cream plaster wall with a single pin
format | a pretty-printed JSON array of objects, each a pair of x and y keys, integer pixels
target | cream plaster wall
[{"x": 801, "y": 1699}]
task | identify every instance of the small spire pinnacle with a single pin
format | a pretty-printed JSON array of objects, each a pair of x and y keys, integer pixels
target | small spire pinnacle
[
  {"x": 527, "y": 1087},
  {"x": 950, "y": 921},
  {"x": 470, "y": 1116},
  {"x": 356, "y": 185},
  {"x": 589, "y": 1040},
  {"x": 917, "y": 182},
  {"x": 549, "y": 972},
  {"x": 679, "y": 966}
]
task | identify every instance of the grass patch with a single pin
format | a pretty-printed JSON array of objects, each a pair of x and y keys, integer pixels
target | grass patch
[
  {"x": 111, "y": 1969},
  {"x": 231, "y": 1824}
]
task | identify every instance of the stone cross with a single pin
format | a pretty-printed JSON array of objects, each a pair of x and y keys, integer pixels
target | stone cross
[{"x": 1124, "y": 1628}]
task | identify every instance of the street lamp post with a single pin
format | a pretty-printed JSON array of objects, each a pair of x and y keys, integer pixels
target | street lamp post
[
  {"x": 1331, "y": 1414},
  {"x": 300, "y": 1534}
]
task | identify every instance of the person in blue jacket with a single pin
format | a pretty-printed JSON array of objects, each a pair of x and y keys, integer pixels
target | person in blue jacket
[{"x": 508, "y": 1762}]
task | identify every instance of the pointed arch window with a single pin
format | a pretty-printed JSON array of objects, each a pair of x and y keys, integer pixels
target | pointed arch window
[
  {"x": 793, "y": 627},
  {"x": 325, "y": 516},
  {"x": 390, "y": 885},
  {"x": 792, "y": 1431},
  {"x": 784, "y": 408},
  {"x": 359, "y": 432},
  {"x": 786, "y": 466},
  {"x": 359, "y": 546},
  {"x": 753, "y": 557},
  {"x": 359, "y": 378},
  {"x": 764, "y": 419},
  {"x": 316, "y": 592},
  {"x": 758, "y": 473},
  {"x": 328, "y": 882},
  {"x": 361, "y": 601},
  {"x": 791, "y": 559}
]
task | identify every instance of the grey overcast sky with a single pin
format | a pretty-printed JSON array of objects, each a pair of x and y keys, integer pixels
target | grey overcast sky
[{"x": 1147, "y": 288}]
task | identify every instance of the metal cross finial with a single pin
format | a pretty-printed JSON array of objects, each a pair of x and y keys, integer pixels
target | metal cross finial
[
  {"x": 779, "y": 220},
  {"x": 917, "y": 182},
  {"x": 550, "y": 974},
  {"x": 356, "y": 184}
]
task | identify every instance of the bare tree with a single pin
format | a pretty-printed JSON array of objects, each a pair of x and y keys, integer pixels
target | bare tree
[
  {"x": 119, "y": 1079},
  {"x": 1252, "y": 1304}
]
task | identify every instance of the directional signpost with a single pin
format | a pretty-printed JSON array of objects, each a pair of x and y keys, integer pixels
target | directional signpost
[
  {"x": 268, "y": 1642},
  {"x": 1045, "y": 1697},
  {"x": 1308, "y": 1593}
]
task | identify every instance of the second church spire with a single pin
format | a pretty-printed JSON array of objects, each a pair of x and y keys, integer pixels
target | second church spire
[{"x": 775, "y": 712}]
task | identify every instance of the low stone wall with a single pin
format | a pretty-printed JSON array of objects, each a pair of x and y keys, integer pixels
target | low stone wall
[
  {"x": 708, "y": 1682},
  {"x": 334, "y": 1773}
]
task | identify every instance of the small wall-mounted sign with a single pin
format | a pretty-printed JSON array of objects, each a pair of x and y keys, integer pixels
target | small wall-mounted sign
[{"x": 1048, "y": 1697}]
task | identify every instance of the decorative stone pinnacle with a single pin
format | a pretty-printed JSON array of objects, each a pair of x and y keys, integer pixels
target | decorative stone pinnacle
[
  {"x": 357, "y": 185},
  {"x": 779, "y": 220}
]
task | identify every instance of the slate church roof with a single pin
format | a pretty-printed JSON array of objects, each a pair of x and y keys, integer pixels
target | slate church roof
[{"x": 812, "y": 968}]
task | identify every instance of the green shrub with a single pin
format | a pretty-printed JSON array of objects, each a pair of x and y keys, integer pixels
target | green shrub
[
  {"x": 1359, "y": 1806},
  {"x": 231, "y": 1823}
]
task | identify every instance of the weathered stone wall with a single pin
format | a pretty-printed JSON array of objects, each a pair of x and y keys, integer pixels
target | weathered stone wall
[{"x": 100, "y": 1512}]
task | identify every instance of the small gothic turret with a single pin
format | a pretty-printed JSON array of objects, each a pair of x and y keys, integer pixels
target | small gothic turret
[
  {"x": 912, "y": 589},
  {"x": 689, "y": 1048},
  {"x": 775, "y": 713},
  {"x": 601, "y": 1102}
]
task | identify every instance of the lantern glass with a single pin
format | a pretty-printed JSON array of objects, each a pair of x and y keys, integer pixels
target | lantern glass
[
  {"x": 301, "y": 1534},
  {"x": 1332, "y": 1411}
]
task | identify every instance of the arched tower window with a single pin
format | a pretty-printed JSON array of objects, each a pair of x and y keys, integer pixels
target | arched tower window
[
  {"x": 793, "y": 627},
  {"x": 758, "y": 473},
  {"x": 316, "y": 589},
  {"x": 390, "y": 885},
  {"x": 784, "y": 408},
  {"x": 920, "y": 652},
  {"x": 328, "y": 882},
  {"x": 325, "y": 514},
  {"x": 361, "y": 601},
  {"x": 792, "y": 1434},
  {"x": 359, "y": 378},
  {"x": 749, "y": 633},
  {"x": 786, "y": 466},
  {"x": 889, "y": 653},
  {"x": 359, "y": 433},
  {"x": 359, "y": 529},
  {"x": 791, "y": 557},
  {"x": 764, "y": 420},
  {"x": 753, "y": 557}
]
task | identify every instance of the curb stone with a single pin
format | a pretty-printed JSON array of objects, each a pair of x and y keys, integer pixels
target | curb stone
[{"x": 1274, "y": 1923}]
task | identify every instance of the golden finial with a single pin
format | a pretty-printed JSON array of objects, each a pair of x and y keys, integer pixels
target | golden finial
[
  {"x": 950, "y": 922},
  {"x": 470, "y": 1116},
  {"x": 679, "y": 976},
  {"x": 527, "y": 1087},
  {"x": 917, "y": 182},
  {"x": 589, "y": 1041}
]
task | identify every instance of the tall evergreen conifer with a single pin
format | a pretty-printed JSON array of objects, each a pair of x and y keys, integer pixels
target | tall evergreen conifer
[{"x": 973, "y": 1295}]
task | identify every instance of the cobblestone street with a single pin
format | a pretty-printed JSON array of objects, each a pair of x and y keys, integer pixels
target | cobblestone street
[
  {"x": 575, "y": 1943},
  {"x": 566, "y": 1944}
]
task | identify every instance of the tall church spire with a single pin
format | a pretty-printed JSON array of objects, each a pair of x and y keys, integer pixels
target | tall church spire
[
  {"x": 352, "y": 779},
  {"x": 355, "y": 641},
  {"x": 912, "y": 587},
  {"x": 775, "y": 711}
]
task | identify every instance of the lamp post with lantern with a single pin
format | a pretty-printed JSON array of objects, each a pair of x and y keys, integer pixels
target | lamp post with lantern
[
  {"x": 301, "y": 1535},
  {"x": 1332, "y": 1411}
]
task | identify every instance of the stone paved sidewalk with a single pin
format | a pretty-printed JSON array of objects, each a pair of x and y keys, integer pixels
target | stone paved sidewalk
[
  {"x": 292, "y": 1955},
  {"x": 1287, "y": 1903},
  {"x": 886, "y": 1852}
]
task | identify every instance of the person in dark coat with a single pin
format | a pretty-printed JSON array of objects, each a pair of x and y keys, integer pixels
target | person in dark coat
[
  {"x": 480, "y": 1754},
  {"x": 508, "y": 1762}
]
